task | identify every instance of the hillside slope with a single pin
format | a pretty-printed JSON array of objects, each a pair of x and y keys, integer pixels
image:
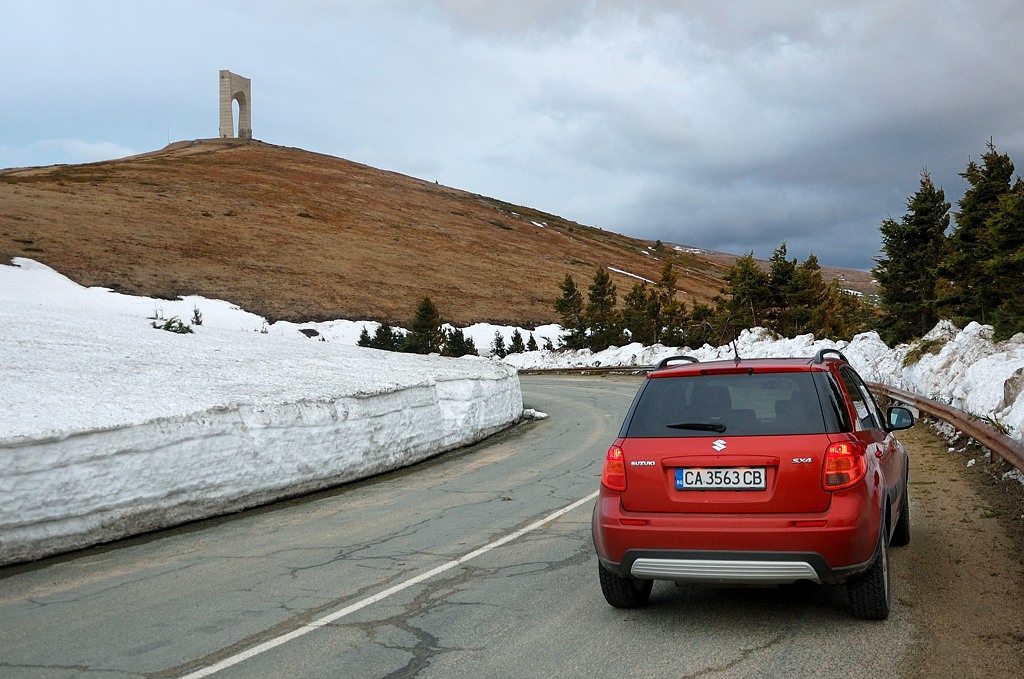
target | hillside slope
[{"x": 295, "y": 235}]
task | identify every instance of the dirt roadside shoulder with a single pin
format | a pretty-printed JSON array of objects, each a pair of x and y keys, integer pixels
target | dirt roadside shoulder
[{"x": 962, "y": 575}]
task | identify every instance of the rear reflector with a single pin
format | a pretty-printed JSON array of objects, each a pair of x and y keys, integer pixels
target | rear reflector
[
  {"x": 810, "y": 524},
  {"x": 613, "y": 476},
  {"x": 633, "y": 522}
]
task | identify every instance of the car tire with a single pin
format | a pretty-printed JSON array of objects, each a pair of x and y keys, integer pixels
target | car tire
[
  {"x": 870, "y": 593},
  {"x": 901, "y": 535},
  {"x": 623, "y": 592}
]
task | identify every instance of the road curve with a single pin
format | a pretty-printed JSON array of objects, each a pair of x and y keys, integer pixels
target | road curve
[{"x": 477, "y": 563}]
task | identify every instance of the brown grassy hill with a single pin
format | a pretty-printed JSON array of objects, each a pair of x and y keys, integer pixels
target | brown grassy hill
[{"x": 295, "y": 235}]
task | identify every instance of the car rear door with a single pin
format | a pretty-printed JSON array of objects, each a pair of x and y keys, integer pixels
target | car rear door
[
  {"x": 726, "y": 443},
  {"x": 881, "y": 443}
]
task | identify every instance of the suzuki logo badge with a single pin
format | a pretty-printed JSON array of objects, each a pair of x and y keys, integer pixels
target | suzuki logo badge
[{"x": 718, "y": 445}]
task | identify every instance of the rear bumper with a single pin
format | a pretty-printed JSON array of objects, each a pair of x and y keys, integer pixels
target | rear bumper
[
  {"x": 731, "y": 568},
  {"x": 827, "y": 547}
]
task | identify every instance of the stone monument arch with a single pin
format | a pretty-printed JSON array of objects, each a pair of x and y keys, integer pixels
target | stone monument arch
[{"x": 235, "y": 88}]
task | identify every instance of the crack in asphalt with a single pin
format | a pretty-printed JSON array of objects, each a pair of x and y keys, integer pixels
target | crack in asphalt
[
  {"x": 296, "y": 621},
  {"x": 62, "y": 599},
  {"x": 436, "y": 594},
  {"x": 426, "y": 646},
  {"x": 745, "y": 655},
  {"x": 71, "y": 668}
]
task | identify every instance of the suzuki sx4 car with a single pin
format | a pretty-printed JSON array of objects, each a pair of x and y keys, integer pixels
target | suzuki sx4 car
[{"x": 754, "y": 472}]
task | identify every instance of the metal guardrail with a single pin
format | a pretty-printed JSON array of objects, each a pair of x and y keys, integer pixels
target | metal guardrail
[{"x": 999, "y": 443}]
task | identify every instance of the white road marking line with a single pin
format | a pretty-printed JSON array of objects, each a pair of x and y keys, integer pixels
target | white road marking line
[{"x": 352, "y": 608}]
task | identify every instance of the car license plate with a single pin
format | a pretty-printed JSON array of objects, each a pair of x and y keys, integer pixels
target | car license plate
[{"x": 721, "y": 478}]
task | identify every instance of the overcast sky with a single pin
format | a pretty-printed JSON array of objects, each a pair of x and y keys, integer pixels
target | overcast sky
[{"x": 732, "y": 126}]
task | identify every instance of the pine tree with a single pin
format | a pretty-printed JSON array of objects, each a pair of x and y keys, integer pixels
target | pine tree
[
  {"x": 531, "y": 345},
  {"x": 655, "y": 317},
  {"x": 842, "y": 314},
  {"x": 516, "y": 344},
  {"x": 808, "y": 293},
  {"x": 387, "y": 338},
  {"x": 635, "y": 316},
  {"x": 780, "y": 272},
  {"x": 743, "y": 299},
  {"x": 426, "y": 335},
  {"x": 908, "y": 273},
  {"x": 570, "y": 307},
  {"x": 384, "y": 337},
  {"x": 701, "y": 328},
  {"x": 498, "y": 347},
  {"x": 968, "y": 292},
  {"x": 667, "y": 313},
  {"x": 1006, "y": 266},
  {"x": 796, "y": 293},
  {"x": 457, "y": 344},
  {"x": 600, "y": 314}
]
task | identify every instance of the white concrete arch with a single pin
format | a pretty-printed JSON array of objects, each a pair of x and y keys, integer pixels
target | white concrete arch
[{"x": 234, "y": 87}]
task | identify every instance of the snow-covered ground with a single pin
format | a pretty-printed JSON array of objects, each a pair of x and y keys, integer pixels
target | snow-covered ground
[{"x": 109, "y": 426}]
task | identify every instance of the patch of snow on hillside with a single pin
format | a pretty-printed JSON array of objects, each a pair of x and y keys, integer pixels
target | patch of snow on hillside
[{"x": 631, "y": 275}]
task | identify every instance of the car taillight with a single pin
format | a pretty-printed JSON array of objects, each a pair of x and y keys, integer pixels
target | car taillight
[
  {"x": 844, "y": 466},
  {"x": 613, "y": 476}
]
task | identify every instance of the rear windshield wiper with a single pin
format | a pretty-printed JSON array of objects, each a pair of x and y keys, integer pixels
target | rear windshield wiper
[{"x": 698, "y": 426}]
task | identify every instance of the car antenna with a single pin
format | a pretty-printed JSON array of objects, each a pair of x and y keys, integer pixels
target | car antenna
[{"x": 735, "y": 351}]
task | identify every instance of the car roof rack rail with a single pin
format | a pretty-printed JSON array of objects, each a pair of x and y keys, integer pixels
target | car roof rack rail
[
  {"x": 675, "y": 359},
  {"x": 820, "y": 356}
]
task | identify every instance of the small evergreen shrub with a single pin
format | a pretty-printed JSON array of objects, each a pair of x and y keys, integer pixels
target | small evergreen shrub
[{"x": 174, "y": 324}]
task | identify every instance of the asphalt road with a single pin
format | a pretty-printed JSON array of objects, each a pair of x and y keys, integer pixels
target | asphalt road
[{"x": 478, "y": 563}]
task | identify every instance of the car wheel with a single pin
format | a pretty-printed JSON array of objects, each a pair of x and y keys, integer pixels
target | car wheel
[
  {"x": 901, "y": 535},
  {"x": 624, "y": 592},
  {"x": 870, "y": 595}
]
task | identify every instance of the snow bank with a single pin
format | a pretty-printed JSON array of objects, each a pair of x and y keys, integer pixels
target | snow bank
[
  {"x": 109, "y": 427},
  {"x": 963, "y": 368},
  {"x": 966, "y": 369}
]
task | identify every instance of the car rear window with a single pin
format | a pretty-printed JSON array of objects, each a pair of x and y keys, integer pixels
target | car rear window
[{"x": 755, "y": 404}]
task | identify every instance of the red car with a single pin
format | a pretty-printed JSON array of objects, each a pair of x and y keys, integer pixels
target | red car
[{"x": 754, "y": 472}]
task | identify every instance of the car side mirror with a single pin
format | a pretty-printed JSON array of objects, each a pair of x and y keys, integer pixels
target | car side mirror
[{"x": 900, "y": 418}]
